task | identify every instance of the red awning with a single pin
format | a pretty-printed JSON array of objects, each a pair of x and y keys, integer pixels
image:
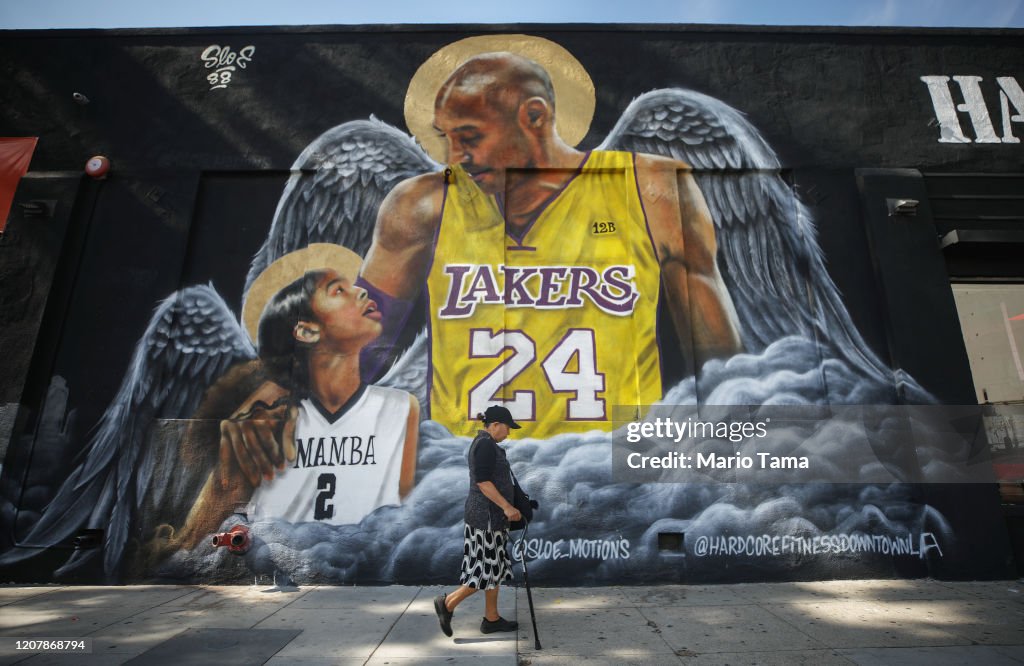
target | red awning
[{"x": 15, "y": 154}]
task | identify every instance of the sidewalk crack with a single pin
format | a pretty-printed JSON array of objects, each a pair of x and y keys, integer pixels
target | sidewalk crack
[{"x": 397, "y": 619}]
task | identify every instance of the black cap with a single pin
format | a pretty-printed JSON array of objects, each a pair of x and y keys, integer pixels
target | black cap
[{"x": 497, "y": 414}]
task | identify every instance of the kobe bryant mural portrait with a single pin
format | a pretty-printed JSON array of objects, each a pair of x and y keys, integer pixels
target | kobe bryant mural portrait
[
  {"x": 544, "y": 266},
  {"x": 410, "y": 280}
]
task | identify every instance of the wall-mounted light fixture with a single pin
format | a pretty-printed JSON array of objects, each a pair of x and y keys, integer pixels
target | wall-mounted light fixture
[
  {"x": 87, "y": 539},
  {"x": 38, "y": 208},
  {"x": 902, "y": 207}
]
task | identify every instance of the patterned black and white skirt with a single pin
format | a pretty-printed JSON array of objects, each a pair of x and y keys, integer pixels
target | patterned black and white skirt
[{"x": 485, "y": 561}]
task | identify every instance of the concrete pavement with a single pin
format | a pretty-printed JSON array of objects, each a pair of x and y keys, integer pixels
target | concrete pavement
[{"x": 833, "y": 622}]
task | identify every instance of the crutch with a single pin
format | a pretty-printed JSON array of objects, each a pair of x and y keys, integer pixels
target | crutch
[{"x": 526, "y": 582}]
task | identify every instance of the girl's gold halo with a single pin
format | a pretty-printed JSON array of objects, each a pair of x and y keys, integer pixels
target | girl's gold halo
[
  {"x": 574, "y": 90},
  {"x": 288, "y": 269}
]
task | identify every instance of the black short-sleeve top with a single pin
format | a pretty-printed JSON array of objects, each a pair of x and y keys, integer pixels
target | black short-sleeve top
[{"x": 487, "y": 462}]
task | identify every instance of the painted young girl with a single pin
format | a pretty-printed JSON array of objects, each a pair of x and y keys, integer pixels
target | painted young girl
[
  {"x": 346, "y": 448},
  {"x": 354, "y": 445}
]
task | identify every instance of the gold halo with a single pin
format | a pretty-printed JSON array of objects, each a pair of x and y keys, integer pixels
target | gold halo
[
  {"x": 290, "y": 268},
  {"x": 574, "y": 90}
]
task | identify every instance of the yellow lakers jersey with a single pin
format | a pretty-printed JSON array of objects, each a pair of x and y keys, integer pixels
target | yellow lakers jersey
[{"x": 558, "y": 324}]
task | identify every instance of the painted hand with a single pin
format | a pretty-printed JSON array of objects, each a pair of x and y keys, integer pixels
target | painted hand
[{"x": 259, "y": 438}]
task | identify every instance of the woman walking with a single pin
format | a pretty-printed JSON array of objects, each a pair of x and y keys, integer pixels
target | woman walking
[{"x": 485, "y": 562}]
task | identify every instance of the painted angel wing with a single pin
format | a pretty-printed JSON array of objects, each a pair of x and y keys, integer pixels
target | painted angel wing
[
  {"x": 192, "y": 339},
  {"x": 410, "y": 371},
  {"x": 336, "y": 187},
  {"x": 767, "y": 249}
]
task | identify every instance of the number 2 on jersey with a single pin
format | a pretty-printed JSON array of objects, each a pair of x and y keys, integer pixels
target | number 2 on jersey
[
  {"x": 326, "y": 484},
  {"x": 585, "y": 381}
]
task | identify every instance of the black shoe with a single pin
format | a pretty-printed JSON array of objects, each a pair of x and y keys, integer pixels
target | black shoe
[
  {"x": 443, "y": 614},
  {"x": 501, "y": 624}
]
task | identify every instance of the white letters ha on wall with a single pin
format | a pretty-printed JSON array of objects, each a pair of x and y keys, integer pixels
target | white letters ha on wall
[{"x": 973, "y": 107}]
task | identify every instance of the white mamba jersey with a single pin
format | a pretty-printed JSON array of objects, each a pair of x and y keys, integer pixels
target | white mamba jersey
[{"x": 346, "y": 464}]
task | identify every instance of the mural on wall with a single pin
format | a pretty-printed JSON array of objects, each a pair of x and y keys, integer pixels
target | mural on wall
[{"x": 407, "y": 283}]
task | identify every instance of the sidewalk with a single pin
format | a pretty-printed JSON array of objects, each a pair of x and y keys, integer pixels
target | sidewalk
[{"x": 834, "y": 622}]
